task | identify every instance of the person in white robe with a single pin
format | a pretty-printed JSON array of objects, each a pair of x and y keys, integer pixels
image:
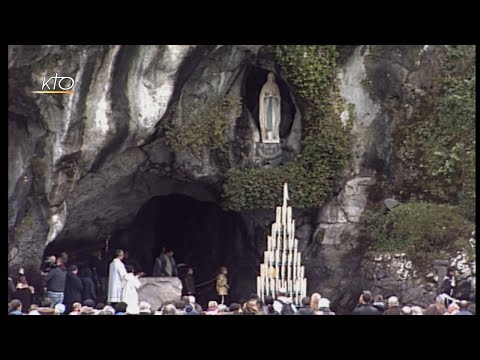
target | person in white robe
[
  {"x": 130, "y": 289},
  {"x": 116, "y": 278}
]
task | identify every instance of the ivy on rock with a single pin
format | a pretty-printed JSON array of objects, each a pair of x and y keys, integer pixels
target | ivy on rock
[{"x": 325, "y": 144}]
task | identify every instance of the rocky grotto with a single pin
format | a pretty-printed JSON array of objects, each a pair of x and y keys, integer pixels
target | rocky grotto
[{"x": 162, "y": 146}]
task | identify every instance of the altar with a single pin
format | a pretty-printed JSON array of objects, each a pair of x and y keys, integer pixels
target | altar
[{"x": 159, "y": 290}]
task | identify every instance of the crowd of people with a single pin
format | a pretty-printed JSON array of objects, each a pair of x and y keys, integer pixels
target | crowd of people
[{"x": 73, "y": 291}]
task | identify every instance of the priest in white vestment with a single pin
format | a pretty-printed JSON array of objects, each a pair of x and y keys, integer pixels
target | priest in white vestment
[{"x": 116, "y": 278}]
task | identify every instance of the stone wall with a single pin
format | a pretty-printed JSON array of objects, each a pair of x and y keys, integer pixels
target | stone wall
[
  {"x": 159, "y": 290},
  {"x": 391, "y": 274}
]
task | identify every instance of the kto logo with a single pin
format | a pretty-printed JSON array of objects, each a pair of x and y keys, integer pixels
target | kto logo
[{"x": 65, "y": 83}]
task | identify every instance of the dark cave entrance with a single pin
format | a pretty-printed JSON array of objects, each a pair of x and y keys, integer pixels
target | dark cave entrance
[{"x": 201, "y": 234}]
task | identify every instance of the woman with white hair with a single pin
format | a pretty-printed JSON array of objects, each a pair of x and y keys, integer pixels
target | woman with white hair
[
  {"x": 314, "y": 299},
  {"x": 406, "y": 310},
  {"x": 324, "y": 307},
  {"x": 393, "y": 307},
  {"x": 417, "y": 310}
]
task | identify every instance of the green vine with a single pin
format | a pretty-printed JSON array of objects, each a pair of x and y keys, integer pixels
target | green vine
[
  {"x": 325, "y": 143},
  {"x": 424, "y": 231},
  {"x": 439, "y": 150},
  {"x": 26, "y": 224},
  {"x": 204, "y": 129}
]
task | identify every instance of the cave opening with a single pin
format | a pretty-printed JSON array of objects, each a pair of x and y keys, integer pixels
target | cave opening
[{"x": 200, "y": 233}]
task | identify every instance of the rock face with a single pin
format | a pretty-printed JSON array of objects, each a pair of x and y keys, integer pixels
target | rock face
[
  {"x": 393, "y": 274},
  {"x": 81, "y": 166},
  {"x": 159, "y": 290}
]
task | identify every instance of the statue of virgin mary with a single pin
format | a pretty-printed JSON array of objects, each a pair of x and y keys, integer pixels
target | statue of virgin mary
[{"x": 269, "y": 111}]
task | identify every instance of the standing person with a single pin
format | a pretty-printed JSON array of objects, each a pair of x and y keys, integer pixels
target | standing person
[
  {"x": 116, "y": 278},
  {"x": 55, "y": 283},
  {"x": 365, "y": 306},
  {"x": 449, "y": 284},
  {"x": 157, "y": 268},
  {"x": 24, "y": 293},
  {"x": 283, "y": 304},
  {"x": 99, "y": 273},
  {"x": 64, "y": 257},
  {"x": 130, "y": 289},
  {"x": 169, "y": 266},
  {"x": 222, "y": 284},
  {"x": 324, "y": 307},
  {"x": 88, "y": 285},
  {"x": 189, "y": 283},
  {"x": 11, "y": 289},
  {"x": 393, "y": 306},
  {"x": 73, "y": 288}
]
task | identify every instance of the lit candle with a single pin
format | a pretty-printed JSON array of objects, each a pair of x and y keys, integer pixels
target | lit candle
[
  {"x": 278, "y": 214},
  {"x": 296, "y": 245},
  {"x": 284, "y": 214},
  {"x": 291, "y": 290},
  {"x": 295, "y": 273},
  {"x": 289, "y": 216},
  {"x": 295, "y": 292},
  {"x": 293, "y": 229},
  {"x": 299, "y": 257},
  {"x": 272, "y": 272}
]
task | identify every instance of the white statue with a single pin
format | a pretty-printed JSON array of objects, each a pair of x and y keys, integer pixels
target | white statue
[{"x": 269, "y": 111}]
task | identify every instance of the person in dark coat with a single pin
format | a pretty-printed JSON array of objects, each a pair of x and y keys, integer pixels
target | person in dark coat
[
  {"x": 189, "y": 283},
  {"x": 305, "y": 309},
  {"x": 88, "y": 291},
  {"x": 11, "y": 289},
  {"x": 55, "y": 281},
  {"x": 24, "y": 293},
  {"x": 99, "y": 273},
  {"x": 393, "y": 307},
  {"x": 364, "y": 306},
  {"x": 378, "y": 303},
  {"x": 73, "y": 288},
  {"x": 449, "y": 284}
]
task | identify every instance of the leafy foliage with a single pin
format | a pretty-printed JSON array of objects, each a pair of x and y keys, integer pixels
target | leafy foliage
[
  {"x": 204, "y": 129},
  {"x": 439, "y": 151},
  {"x": 325, "y": 144},
  {"x": 421, "y": 230}
]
